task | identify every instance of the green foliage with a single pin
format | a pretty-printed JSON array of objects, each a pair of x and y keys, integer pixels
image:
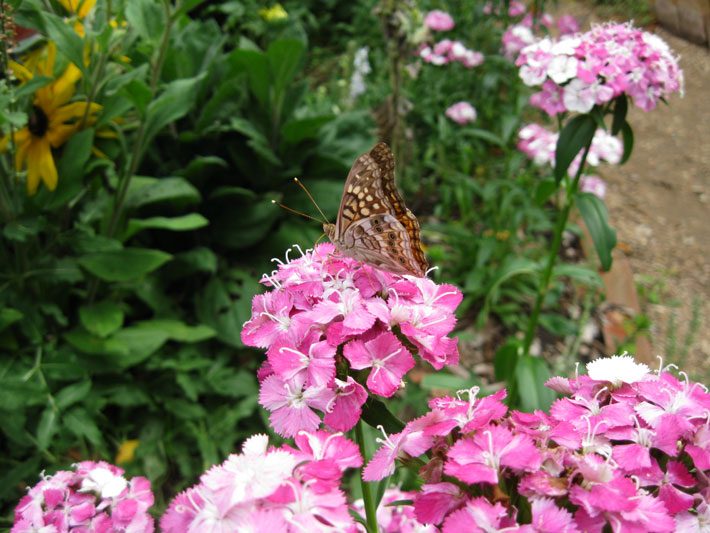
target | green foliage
[{"x": 123, "y": 292}]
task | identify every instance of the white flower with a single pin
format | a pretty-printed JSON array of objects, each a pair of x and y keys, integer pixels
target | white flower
[
  {"x": 617, "y": 370},
  {"x": 105, "y": 482},
  {"x": 562, "y": 68},
  {"x": 577, "y": 96}
]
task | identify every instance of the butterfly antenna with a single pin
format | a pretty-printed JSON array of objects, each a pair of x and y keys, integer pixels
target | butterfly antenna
[
  {"x": 302, "y": 186},
  {"x": 290, "y": 210},
  {"x": 319, "y": 239}
]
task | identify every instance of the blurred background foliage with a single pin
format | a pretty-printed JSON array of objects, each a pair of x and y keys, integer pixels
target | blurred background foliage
[{"x": 124, "y": 289}]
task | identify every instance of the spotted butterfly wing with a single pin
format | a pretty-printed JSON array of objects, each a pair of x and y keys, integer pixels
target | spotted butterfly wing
[{"x": 373, "y": 224}]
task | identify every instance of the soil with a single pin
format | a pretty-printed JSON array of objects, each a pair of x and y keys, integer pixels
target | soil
[{"x": 659, "y": 203}]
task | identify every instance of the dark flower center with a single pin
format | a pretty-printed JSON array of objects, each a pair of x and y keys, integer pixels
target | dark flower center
[{"x": 38, "y": 122}]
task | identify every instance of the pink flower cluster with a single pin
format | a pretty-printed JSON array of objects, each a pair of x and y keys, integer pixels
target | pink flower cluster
[
  {"x": 539, "y": 144},
  {"x": 578, "y": 72},
  {"x": 438, "y": 20},
  {"x": 448, "y": 51},
  {"x": 522, "y": 34},
  {"x": 626, "y": 448},
  {"x": 462, "y": 113},
  {"x": 95, "y": 497},
  {"x": 327, "y": 316},
  {"x": 593, "y": 184},
  {"x": 270, "y": 489}
]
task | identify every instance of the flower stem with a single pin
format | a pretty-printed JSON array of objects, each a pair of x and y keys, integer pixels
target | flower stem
[
  {"x": 140, "y": 135},
  {"x": 367, "y": 496},
  {"x": 554, "y": 252}
]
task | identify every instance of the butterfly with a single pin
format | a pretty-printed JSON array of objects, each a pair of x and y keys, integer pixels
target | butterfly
[{"x": 373, "y": 224}]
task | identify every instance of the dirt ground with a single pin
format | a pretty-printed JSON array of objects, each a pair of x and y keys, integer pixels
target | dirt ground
[{"x": 659, "y": 203}]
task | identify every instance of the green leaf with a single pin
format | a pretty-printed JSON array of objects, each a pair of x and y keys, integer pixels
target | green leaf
[
  {"x": 558, "y": 325},
  {"x": 145, "y": 191},
  {"x": 12, "y": 476},
  {"x": 582, "y": 274},
  {"x": 47, "y": 427},
  {"x": 72, "y": 394},
  {"x": 124, "y": 265},
  {"x": 102, "y": 318},
  {"x": 68, "y": 41},
  {"x": 9, "y": 316},
  {"x": 177, "y": 330},
  {"x": 621, "y": 107},
  {"x": 298, "y": 130},
  {"x": 544, "y": 190},
  {"x": 187, "y": 222},
  {"x": 16, "y": 393},
  {"x": 139, "y": 94},
  {"x": 627, "y": 135},
  {"x": 30, "y": 86},
  {"x": 375, "y": 413},
  {"x": 596, "y": 217},
  {"x": 256, "y": 65},
  {"x": 484, "y": 135},
  {"x": 173, "y": 103},
  {"x": 531, "y": 373},
  {"x": 125, "y": 348},
  {"x": 285, "y": 58},
  {"x": 506, "y": 360},
  {"x": 79, "y": 422},
  {"x": 577, "y": 134},
  {"x": 226, "y": 310},
  {"x": 447, "y": 381},
  {"x": 199, "y": 259},
  {"x": 146, "y": 18}
]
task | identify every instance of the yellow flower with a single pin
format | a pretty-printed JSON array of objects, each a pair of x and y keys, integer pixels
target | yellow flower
[
  {"x": 273, "y": 13},
  {"x": 80, "y": 8},
  {"x": 51, "y": 122},
  {"x": 127, "y": 451}
]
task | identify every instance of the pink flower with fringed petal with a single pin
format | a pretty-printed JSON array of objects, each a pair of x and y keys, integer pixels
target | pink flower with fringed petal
[
  {"x": 387, "y": 357},
  {"x": 480, "y": 459}
]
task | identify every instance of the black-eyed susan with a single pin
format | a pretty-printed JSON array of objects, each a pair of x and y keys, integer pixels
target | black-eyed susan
[{"x": 52, "y": 120}]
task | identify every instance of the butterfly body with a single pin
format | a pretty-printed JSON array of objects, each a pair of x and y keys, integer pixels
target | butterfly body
[{"x": 373, "y": 225}]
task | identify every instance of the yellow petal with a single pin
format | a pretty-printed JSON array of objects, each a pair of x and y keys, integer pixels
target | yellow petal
[
  {"x": 58, "y": 135},
  {"x": 75, "y": 110},
  {"x": 63, "y": 88},
  {"x": 4, "y": 142},
  {"x": 106, "y": 133},
  {"x": 40, "y": 164},
  {"x": 127, "y": 451},
  {"x": 23, "y": 139},
  {"x": 21, "y": 73},
  {"x": 79, "y": 7}
]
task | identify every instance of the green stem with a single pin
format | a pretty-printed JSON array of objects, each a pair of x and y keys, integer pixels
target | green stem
[
  {"x": 554, "y": 252},
  {"x": 367, "y": 496},
  {"x": 136, "y": 155}
]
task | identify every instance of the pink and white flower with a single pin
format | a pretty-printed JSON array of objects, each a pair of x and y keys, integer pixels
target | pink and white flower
[{"x": 462, "y": 113}]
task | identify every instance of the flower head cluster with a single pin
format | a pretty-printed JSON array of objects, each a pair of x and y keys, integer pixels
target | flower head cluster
[
  {"x": 438, "y": 20},
  {"x": 593, "y": 184},
  {"x": 577, "y": 72},
  {"x": 327, "y": 316},
  {"x": 361, "y": 68},
  {"x": 625, "y": 448},
  {"x": 270, "y": 489},
  {"x": 539, "y": 144},
  {"x": 462, "y": 113},
  {"x": 95, "y": 496},
  {"x": 523, "y": 33},
  {"x": 448, "y": 51}
]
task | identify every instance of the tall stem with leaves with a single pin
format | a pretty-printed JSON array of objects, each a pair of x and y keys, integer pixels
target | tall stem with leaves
[
  {"x": 578, "y": 133},
  {"x": 137, "y": 152}
]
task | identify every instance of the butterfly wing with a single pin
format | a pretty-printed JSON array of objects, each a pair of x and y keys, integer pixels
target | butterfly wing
[
  {"x": 363, "y": 195},
  {"x": 384, "y": 158},
  {"x": 373, "y": 224},
  {"x": 383, "y": 242}
]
